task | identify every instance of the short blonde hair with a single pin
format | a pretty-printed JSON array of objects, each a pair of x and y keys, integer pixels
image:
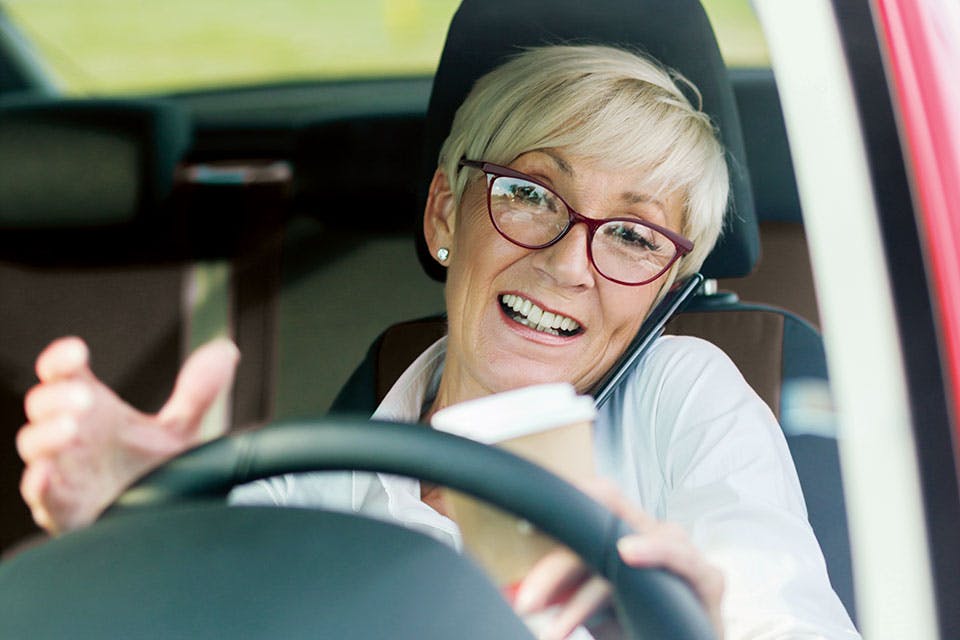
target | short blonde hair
[{"x": 608, "y": 104}]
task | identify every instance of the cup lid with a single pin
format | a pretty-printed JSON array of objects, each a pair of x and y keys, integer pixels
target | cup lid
[{"x": 515, "y": 413}]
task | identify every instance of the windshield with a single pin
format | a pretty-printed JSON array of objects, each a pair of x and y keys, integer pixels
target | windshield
[{"x": 95, "y": 47}]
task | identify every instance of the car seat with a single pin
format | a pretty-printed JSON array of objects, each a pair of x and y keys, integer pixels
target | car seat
[
  {"x": 783, "y": 276},
  {"x": 106, "y": 233},
  {"x": 775, "y": 349}
]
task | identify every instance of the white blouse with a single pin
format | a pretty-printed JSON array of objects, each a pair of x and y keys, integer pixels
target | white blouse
[{"x": 688, "y": 440}]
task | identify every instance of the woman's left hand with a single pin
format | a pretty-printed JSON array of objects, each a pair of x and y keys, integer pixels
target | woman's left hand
[{"x": 655, "y": 544}]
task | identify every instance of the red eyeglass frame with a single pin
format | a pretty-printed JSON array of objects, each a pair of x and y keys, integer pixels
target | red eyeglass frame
[{"x": 683, "y": 245}]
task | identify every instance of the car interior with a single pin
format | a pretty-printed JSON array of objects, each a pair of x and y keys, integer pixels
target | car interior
[{"x": 287, "y": 218}]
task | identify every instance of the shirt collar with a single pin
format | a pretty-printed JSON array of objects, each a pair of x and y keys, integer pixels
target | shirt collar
[{"x": 416, "y": 388}]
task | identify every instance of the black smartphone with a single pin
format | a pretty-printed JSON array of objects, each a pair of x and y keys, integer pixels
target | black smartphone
[{"x": 650, "y": 330}]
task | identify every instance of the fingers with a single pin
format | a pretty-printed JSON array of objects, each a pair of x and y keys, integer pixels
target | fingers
[
  {"x": 34, "y": 481},
  {"x": 55, "y": 503},
  {"x": 561, "y": 577},
  {"x": 39, "y": 439},
  {"x": 64, "y": 375},
  {"x": 668, "y": 546},
  {"x": 657, "y": 544},
  {"x": 83, "y": 443},
  {"x": 33, "y": 488},
  {"x": 63, "y": 358},
  {"x": 553, "y": 576},
  {"x": 607, "y": 493},
  {"x": 205, "y": 374},
  {"x": 51, "y": 399},
  {"x": 662, "y": 544},
  {"x": 592, "y": 595}
]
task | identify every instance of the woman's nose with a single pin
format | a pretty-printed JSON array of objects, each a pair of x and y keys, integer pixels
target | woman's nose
[{"x": 567, "y": 262}]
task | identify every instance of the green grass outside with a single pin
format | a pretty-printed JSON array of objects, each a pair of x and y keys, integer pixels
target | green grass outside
[{"x": 134, "y": 46}]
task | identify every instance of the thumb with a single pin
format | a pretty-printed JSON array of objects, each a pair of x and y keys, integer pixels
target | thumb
[{"x": 207, "y": 372}]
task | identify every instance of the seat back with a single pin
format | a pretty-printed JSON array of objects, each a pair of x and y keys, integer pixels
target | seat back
[{"x": 106, "y": 233}]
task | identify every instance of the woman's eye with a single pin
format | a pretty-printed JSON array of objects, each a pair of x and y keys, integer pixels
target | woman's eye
[
  {"x": 530, "y": 194},
  {"x": 526, "y": 195},
  {"x": 631, "y": 235}
]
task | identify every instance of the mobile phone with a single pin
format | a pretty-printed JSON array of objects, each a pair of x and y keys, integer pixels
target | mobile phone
[{"x": 650, "y": 330}]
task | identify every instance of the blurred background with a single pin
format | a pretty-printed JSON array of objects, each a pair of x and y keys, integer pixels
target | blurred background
[{"x": 143, "y": 46}]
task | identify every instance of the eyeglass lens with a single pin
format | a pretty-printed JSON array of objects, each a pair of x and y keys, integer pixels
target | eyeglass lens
[{"x": 533, "y": 216}]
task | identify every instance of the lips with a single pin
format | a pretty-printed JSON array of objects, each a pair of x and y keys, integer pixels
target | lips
[{"x": 529, "y": 314}]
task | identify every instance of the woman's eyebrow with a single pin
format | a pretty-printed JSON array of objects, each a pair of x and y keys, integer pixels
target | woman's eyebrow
[
  {"x": 632, "y": 197},
  {"x": 561, "y": 163}
]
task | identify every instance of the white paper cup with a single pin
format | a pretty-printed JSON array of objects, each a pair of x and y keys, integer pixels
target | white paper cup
[{"x": 549, "y": 425}]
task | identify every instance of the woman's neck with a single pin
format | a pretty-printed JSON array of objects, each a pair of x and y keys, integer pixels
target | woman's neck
[{"x": 454, "y": 387}]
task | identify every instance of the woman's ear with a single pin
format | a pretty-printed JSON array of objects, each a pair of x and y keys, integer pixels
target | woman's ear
[{"x": 439, "y": 216}]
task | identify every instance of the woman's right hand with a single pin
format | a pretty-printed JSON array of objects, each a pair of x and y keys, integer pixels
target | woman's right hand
[
  {"x": 653, "y": 544},
  {"x": 83, "y": 445}
]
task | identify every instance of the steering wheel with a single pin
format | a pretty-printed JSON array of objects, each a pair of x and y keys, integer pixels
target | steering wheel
[{"x": 184, "y": 499}]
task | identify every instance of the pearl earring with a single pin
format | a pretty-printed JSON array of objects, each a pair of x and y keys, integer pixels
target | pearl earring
[{"x": 442, "y": 254}]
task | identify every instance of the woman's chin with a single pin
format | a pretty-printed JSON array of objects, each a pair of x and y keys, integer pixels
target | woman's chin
[{"x": 514, "y": 372}]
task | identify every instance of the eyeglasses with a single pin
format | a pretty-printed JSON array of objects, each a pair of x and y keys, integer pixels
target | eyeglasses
[{"x": 529, "y": 214}]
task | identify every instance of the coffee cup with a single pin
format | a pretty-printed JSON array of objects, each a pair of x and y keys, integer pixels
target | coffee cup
[{"x": 549, "y": 425}]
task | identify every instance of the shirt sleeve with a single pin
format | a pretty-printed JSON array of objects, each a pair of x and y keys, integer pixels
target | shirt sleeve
[
  {"x": 326, "y": 490},
  {"x": 726, "y": 475}
]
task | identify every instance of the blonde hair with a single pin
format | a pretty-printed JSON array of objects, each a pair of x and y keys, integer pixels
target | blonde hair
[{"x": 602, "y": 103}]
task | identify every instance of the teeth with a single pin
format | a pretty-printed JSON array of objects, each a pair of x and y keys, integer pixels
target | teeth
[
  {"x": 534, "y": 314},
  {"x": 534, "y": 317}
]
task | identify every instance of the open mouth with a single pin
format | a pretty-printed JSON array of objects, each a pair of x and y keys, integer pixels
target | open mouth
[{"x": 524, "y": 312}]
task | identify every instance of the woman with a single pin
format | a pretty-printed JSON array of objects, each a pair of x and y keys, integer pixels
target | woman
[{"x": 577, "y": 183}]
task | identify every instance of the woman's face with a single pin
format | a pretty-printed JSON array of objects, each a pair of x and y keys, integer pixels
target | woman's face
[{"x": 489, "y": 350}]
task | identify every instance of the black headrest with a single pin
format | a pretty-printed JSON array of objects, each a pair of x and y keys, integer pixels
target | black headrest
[
  {"x": 484, "y": 33},
  {"x": 768, "y": 151}
]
